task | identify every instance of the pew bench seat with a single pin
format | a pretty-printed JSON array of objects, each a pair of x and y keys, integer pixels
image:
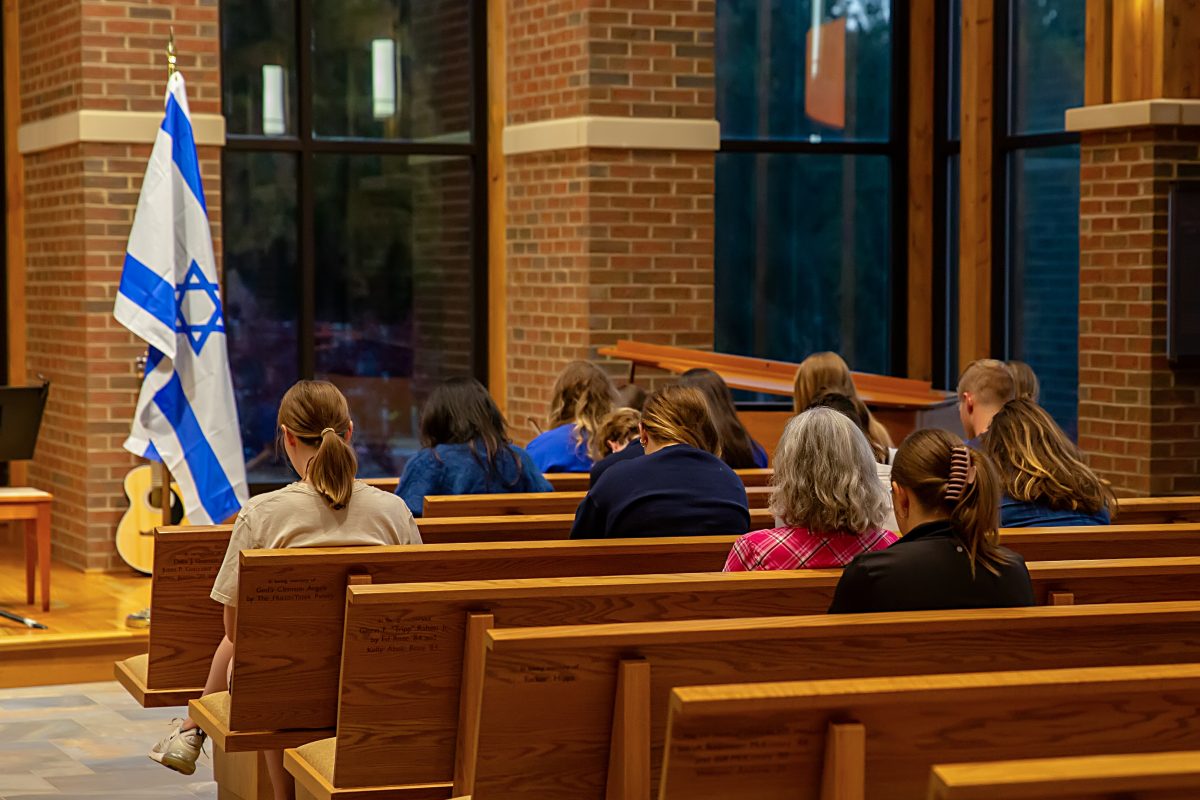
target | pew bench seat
[
  {"x": 211, "y": 713},
  {"x": 312, "y": 766},
  {"x": 132, "y": 674},
  {"x": 1174, "y": 775}
]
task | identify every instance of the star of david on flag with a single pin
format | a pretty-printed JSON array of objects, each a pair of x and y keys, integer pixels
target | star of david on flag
[{"x": 169, "y": 296}]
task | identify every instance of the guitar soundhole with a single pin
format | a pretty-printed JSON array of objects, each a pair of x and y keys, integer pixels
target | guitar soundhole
[{"x": 176, "y": 506}]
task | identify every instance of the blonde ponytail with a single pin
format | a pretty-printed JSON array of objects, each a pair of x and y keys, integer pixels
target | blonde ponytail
[{"x": 316, "y": 413}]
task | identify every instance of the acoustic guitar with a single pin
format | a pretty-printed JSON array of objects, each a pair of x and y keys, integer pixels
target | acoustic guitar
[{"x": 135, "y": 531}]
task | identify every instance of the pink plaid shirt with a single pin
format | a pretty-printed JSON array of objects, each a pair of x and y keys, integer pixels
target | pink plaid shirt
[{"x": 799, "y": 548}]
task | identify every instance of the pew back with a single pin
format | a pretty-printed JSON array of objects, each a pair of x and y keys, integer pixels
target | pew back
[
  {"x": 792, "y": 739},
  {"x": 561, "y": 683},
  {"x": 495, "y": 505},
  {"x": 541, "y": 527}
]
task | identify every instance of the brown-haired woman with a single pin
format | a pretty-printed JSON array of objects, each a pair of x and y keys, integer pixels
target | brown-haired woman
[
  {"x": 583, "y": 397},
  {"x": 1024, "y": 379},
  {"x": 1045, "y": 482},
  {"x": 946, "y": 498},
  {"x": 828, "y": 372},
  {"x": 738, "y": 450},
  {"x": 327, "y": 507},
  {"x": 616, "y": 441},
  {"x": 680, "y": 487}
]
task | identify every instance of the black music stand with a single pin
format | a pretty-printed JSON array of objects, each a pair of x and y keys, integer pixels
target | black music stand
[{"x": 21, "y": 410}]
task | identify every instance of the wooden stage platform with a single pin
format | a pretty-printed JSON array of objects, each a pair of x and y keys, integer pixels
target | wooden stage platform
[{"x": 86, "y": 625}]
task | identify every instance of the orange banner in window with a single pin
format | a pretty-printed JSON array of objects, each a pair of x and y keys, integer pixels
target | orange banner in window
[{"x": 825, "y": 74}]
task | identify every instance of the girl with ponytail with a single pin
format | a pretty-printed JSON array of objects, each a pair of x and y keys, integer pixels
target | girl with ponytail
[
  {"x": 946, "y": 498},
  {"x": 327, "y": 507}
]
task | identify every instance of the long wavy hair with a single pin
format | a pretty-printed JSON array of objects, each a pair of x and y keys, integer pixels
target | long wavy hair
[
  {"x": 828, "y": 372},
  {"x": 1040, "y": 464},
  {"x": 825, "y": 478},
  {"x": 583, "y": 396},
  {"x": 737, "y": 448},
  {"x": 460, "y": 411}
]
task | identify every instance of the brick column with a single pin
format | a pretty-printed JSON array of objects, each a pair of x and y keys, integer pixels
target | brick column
[
  {"x": 609, "y": 145},
  {"x": 93, "y": 76},
  {"x": 1139, "y": 418}
]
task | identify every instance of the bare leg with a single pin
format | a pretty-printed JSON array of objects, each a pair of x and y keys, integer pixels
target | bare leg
[
  {"x": 282, "y": 783},
  {"x": 218, "y": 674}
]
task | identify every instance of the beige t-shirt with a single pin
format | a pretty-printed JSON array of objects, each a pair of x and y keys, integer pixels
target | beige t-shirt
[{"x": 297, "y": 516}]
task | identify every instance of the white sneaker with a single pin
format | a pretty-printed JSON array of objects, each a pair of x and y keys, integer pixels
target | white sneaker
[{"x": 180, "y": 749}]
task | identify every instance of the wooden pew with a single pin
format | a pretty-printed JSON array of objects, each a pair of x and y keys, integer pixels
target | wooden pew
[
  {"x": 599, "y": 704},
  {"x": 1157, "y": 510},
  {"x": 441, "y": 616},
  {"x": 548, "y": 527},
  {"x": 1144, "y": 776},
  {"x": 496, "y": 505},
  {"x": 189, "y": 625},
  {"x": 878, "y": 737}
]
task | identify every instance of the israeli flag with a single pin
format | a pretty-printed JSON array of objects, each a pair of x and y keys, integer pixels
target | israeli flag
[{"x": 169, "y": 296}]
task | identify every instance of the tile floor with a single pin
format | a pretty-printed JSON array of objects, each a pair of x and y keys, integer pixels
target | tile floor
[{"x": 88, "y": 740}]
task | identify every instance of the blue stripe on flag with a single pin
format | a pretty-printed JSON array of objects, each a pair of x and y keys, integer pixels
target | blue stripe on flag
[
  {"x": 183, "y": 147},
  {"x": 216, "y": 494},
  {"x": 146, "y": 288}
]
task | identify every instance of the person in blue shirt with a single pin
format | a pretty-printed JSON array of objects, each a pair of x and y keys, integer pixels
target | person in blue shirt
[
  {"x": 583, "y": 396},
  {"x": 466, "y": 449},
  {"x": 738, "y": 450},
  {"x": 1046, "y": 483},
  {"x": 680, "y": 487}
]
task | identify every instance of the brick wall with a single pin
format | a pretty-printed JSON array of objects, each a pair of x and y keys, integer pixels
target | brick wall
[
  {"x": 80, "y": 201},
  {"x": 605, "y": 244},
  {"x": 1139, "y": 419}
]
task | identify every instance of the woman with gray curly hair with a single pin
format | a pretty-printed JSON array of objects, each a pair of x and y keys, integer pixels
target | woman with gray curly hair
[{"x": 827, "y": 498}]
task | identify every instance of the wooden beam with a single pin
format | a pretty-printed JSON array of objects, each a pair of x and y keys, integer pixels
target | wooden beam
[
  {"x": 975, "y": 218},
  {"x": 1132, "y": 69},
  {"x": 497, "y": 204},
  {"x": 1177, "y": 49},
  {"x": 1098, "y": 53},
  {"x": 14, "y": 204},
  {"x": 921, "y": 66}
]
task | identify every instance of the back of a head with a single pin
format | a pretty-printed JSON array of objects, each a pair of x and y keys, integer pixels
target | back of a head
[
  {"x": 947, "y": 476},
  {"x": 854, "y": 410},
  {"x": 631, "y": 396},
  {"x": 583, "y": 396},
  {"x": 989, "y": 381},
  {"x": 1025, "y": 380},
  {"x": 818, "y": 373},
  {"x": 460, "y": 411},
  {"x": 1039, "y": 464},
  {"x": 680, "y": 415},
  {"x": 737, "y": 448},
  {"x": 621, "y": 426},
  {"x": 825, "y": 478},
  {"x": 316, "y": 413}
]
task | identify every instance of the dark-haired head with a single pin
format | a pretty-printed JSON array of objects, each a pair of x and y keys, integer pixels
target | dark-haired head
[
  {"x": 737, "y": 448},
  {"x": 460, "y": 411},
  {"x": 854, "y": 410},
  {"x": 935, "y": 476}
]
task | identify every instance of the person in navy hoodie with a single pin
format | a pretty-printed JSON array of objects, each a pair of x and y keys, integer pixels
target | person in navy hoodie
[
  {"x": 738, "y": 450},
  {"x": 583, "y": 396},
  {"x": 617, "y": 441},
  {"x": 1046, "y": 483},
  {"x": 466, "y": 449},
  {"x": 680, "y": 487}
]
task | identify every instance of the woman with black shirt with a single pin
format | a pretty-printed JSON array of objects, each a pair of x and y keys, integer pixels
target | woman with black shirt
[
  {"x": 680, "y": 487},
  {"x": 946, "y": 497}
]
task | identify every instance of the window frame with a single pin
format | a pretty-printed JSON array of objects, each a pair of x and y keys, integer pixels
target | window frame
[
  {"x": 895, "y": 148},
  {"x": 306, "y": 146}
]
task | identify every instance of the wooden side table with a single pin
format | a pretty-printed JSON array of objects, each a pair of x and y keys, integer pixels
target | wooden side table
[{"x": 31, "y": 506}]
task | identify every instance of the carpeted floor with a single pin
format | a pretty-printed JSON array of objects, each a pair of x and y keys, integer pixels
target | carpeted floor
[{"x": 88, "y": 741}]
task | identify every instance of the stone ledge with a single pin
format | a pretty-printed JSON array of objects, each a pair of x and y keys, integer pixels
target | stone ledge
[
  {"x": 110, "y": 127},
  {"x": 626, "y": 133},
  {"x": 1134, "y": 114}
]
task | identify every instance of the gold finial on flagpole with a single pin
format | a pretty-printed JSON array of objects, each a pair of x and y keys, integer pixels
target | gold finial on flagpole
[{"x": 171, "y": 53}]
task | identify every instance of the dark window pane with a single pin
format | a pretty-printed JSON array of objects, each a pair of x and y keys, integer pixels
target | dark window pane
[
  {"x": 803, "y": 257},
  {"x": 258, "y": 62},
  {"x": 955, "y": 82},
  {"x": 261, "y": 297},
  {"x": 1044, "y": 248},
  {"x": 953, "y": 219},
  {"x": 392, "y": 69},
  {"x": 778, "y": 77},
  {"x": 1047, "y": 63},
  {"x": 394, "y": 291}
]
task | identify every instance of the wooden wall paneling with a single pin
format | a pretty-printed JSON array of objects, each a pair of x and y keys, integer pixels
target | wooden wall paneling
[
  {"x": 14, "y": 189},
  {"x": 975, "y": 219},
  {"x": 1132, "y": 51},
  {"x": 922, "y": 60},
  {"x": 497, "y": 203},
  {"x": 1176, "y": 51},
  {"x": 1098, "y": 53}
]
